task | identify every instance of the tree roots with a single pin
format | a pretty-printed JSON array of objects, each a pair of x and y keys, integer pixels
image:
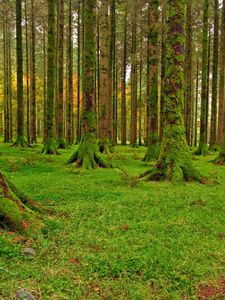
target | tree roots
[{"x": 50, "y": 147}]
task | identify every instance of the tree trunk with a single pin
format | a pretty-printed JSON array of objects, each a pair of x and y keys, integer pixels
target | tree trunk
[
  {"x": 88, "y": 155},
  {"x": 33, "y": 130},
  {"x": 133, "y": 121},
  {"x": 123, "y": 85},
  {"x": 50, "y": 146},
  {"x": 69, "y": 105},
  {"x": 20, "y": 141},
  {"x": 152, "y": 82},
  {"x": 203, "y": 148},
  {"x": 188, "y": 73},
  {"x": 221, "y": 80},
  {"x": 174, "y": 162},
  {"x": 78, "y": 131},
  {"x": 60, "y": 95},
  {"x": 105, "y": 99}
]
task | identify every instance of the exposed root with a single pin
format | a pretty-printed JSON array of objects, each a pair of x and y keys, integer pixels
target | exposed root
[
  {"x": 50, "y": 147},
  {"x": 14, "y": 211},
  {"x": 220, "y": 160},
  {"x": 88, "y": 155},
  {"x": 21, "y": 142}
]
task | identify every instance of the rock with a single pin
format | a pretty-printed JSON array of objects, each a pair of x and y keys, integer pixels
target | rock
[
  {"x": 29, "y": 252},
  {"x": 24, "y": 295}
]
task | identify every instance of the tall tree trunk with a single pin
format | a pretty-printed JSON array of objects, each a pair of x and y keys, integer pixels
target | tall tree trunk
[
  {"x": 113, "y": 67},
  {"x": 212, "y": 142},
  {"x": 78, "y": 131},
  {"x": 88, "y": 155},
  {"x": 20, "y": 141},
  {"x": 174, "y": 162},
  {"x": 221, "y": 157},
  {"x": 221, "y": 80},
  {"x": 33, "y": 130},
  {"x": 27, "y": 76},
  {"x": 203, "y": 148},
  {"x": 123, "y": 85},
  {"x": 105, "y": 99},
  {"x": 196, "y": 104},
  {"x": 50, "y": 146},
  {"x": 60, "y": 95},
  {"x": 133, "y": 120},
  {"x": 44, "y": 86},
  {"x": 69, "y": 105},
  {"x": 152, "y": 82},
  {"x": 188, "y": 72}
]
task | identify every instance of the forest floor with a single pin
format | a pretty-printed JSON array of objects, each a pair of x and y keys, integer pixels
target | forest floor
[{"x": 110, "y": 237}]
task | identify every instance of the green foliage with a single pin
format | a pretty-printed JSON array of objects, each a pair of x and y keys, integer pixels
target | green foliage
[{"x": 107, "y": 238}]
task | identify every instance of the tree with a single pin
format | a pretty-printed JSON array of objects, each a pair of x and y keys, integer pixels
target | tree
[
  {"x": 50, "y": 146},
  {"x": 212, "y": 142},
  {"x": 20, "y": 141},
  {"x": 152, "y": 83},
  {"x": 104, "y": 97},
  {"x": 60, "y": 107},
  {"x": 221, "y": 157},
  {"x": 203, "y": 147},
  {"x": 221, "y": 79},
  {"x": 174, "y": 162},
  {"x": 88, "y": 155}
]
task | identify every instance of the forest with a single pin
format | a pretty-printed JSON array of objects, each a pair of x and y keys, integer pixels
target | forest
[{"x": 112, "y": 149}]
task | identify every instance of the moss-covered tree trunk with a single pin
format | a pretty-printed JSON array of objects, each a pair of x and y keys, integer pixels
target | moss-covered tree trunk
[
  {"x": 50, "y": 145},
  {"x": 152, "y": 82},
  {"x": 213, "y": 125},
  {"x": 88, "y": 155},
  {"x": 133, "y": 117},
  {"x": 16, "y": 208},
  {"x": 78, "y": 125},
  {"x": 188, "y": 72},
  {"x": 221, "y": 157},
  {"x": 33, "y": 129},
  {"x": 196, "y": 103},
  {"x": 203, "y": 147},
  {"x": 104, "y": 97},
  {"x": 20, "y": 140},
  {"x": 69, "y": 102},
  {"x": 60, "y": 95},
  {"x": 174, "y": 162},
  {"x": 221, "y": 79},
  {"x": 123, "y": 84}
]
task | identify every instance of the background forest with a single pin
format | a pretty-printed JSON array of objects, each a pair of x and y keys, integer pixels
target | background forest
[{"x": 112, "y": 153}]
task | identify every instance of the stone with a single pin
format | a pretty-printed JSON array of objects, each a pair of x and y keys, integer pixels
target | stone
[
  {"x": 29, "y": 252},
  {"x": 24, "y": 295}
]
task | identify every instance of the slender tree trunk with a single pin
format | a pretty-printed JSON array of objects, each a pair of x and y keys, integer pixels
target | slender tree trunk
[
  {"x": 60, "y": 95},
  {"x": 133, "y": 121},
  {"x": 88, "y": 155},
  {"x": 123, "y": 85},
  {"x": 174, "y": 162},
  {"x": 215, "y": 76},
  {"x": 203, "y": 148},
  {"x": 188, "y": 72},
  {"x": 69, "y": 110},
  {"x": 20, "y": 141},
  {"x": 44, "y": 86},
  {"x": 33, "y": 130},
  {"x": 78, "y": 135},
  {"x": 6, "y": 78},
  {"x": 105, "y": 103},
  {"x": 221, "y": 79},
  {"x": 27, "y": 76},
  {"x": 196, "y": 105},
  {"x": 50, "y": 146},
  {"x": 152, "y": 82}
]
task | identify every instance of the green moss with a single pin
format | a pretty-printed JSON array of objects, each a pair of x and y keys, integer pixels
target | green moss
[
  {"x": 61, "y": 143},
  {"x": 21, "y": 142},
  {"x": 152, "y": 152},
  {"x": 105, "y": 147},
  {"x": 202, "y": 149},
  {"x": 50, "y": 146}
]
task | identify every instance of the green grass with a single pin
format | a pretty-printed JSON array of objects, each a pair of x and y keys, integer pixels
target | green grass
[{"x": 110, "y": 238}]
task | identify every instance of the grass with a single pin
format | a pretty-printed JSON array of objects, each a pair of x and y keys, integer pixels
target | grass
[{"x": 110, "y": 238}]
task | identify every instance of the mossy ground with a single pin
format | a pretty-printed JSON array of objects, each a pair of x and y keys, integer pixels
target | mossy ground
[{"x": 108, "y": 239}]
